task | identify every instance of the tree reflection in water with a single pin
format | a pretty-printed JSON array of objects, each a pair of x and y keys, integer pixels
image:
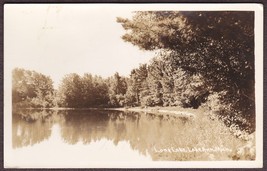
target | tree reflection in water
[
  {"x": 32, "y": 126},
  {"x": 143, "y": 131}
]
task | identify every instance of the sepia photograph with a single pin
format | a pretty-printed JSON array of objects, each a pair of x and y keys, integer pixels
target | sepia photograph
[{"x": 133, "y": 85}]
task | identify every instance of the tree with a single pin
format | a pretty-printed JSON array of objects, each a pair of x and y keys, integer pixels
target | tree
[
  {"x": 119, "y": 85},
  {"x": 100, "y": 92},
  {"x": 131, "y": 97},
  {"x": 70, "y": 91},
  {"x": 138, "y": 77},
  {"x": 87, "y": 90},
  {"x": 117, "y": 90}
]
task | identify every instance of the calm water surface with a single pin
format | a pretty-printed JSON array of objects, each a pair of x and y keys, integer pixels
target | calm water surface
[
  {"x": 133, "y": 133},
  {"x": 68, "y": 136}
]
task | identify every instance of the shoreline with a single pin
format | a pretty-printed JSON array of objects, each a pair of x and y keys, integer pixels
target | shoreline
[
  {"x": 159, "y": 110},
  {"x": 177, "y": 111}
]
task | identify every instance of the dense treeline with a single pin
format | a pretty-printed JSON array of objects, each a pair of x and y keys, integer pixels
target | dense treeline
[
  {"x": 147, "y": 85},
  {"x": 31, "y": 89},
  {"x": 203, "y": 58}
]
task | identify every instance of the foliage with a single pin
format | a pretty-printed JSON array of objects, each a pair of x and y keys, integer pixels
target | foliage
[
  {"x": 82, "y": 92},
  {"x": 31, "y": 89},
  {"x": 217, "y": 47},
  {"x": 117, "y": 90},
  {"x": 161, "y": 84}
]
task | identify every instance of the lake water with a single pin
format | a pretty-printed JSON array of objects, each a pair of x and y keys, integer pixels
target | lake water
[{"x": 64, "y": 137}]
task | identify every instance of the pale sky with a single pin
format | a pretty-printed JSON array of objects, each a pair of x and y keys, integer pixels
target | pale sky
[{"x": 60, "y": 39}]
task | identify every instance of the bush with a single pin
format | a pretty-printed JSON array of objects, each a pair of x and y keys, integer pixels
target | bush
[
  {"x": 220, "y": 105},
  {"x": 147, "y": 101}
]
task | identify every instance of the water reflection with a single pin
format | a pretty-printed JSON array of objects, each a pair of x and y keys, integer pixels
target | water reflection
[
  {"x": 32, "y": 126},
  {"x": 141, "y": 131}
]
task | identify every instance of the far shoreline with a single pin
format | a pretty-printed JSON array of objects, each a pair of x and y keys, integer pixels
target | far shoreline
[
  {"x": 177, "y": 111},
  {"x": 159, "y": 110}
]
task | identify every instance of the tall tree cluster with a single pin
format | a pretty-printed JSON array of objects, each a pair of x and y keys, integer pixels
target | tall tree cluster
[
  {"x": 160, "y": 84},
  {"x": 215, "y": 50},
  {"x": 81, "y": 92}
]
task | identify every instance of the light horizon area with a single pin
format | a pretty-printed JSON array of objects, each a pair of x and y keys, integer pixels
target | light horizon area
[{"x": 56, "y": 40}]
